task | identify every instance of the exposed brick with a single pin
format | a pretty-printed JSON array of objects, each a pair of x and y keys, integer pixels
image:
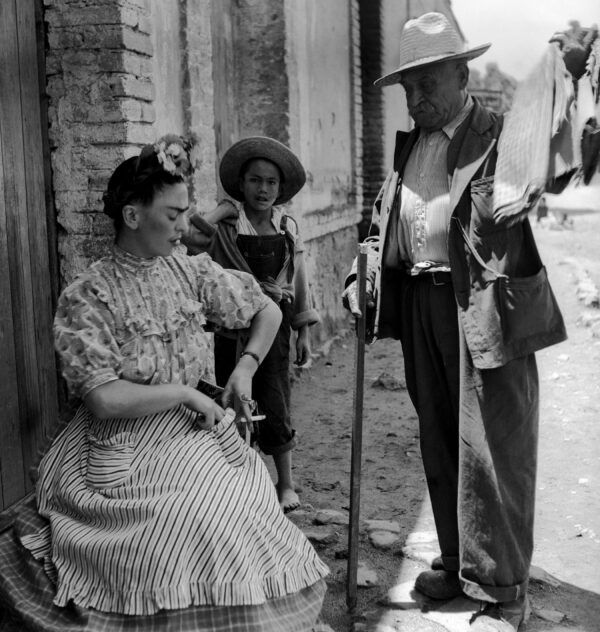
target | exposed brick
[
  {"x": 128, "y": 86},
  {"x": 64, "y": 39},
  {"x": 81, "y": 16},
  {"x": 137, "y": 41},
  {"x": 76, "y": 223}
]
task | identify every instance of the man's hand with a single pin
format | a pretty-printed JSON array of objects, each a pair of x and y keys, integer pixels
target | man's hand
[
  {"x": 350, "y": 299},
  {"x": 575, "y": 45}
]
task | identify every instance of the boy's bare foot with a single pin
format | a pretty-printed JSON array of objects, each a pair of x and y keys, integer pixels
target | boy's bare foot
[{"x": 288, "y": 499}]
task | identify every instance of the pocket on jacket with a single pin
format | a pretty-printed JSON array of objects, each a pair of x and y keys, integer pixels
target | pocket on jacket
[
  {"x": 109, "y": 460},
  {"x": 527, "y": 307}
]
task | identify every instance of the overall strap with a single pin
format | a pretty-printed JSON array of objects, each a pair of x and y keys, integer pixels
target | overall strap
[{"x": 291, "y": 244}]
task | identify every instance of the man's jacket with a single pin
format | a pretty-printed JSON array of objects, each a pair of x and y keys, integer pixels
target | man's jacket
[{"x": 505, "y": 304}]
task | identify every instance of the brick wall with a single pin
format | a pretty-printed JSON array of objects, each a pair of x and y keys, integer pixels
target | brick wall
[
  {"x": 100, "y": 111},
  {"x": 371, "y": 46},
  {"x": 111, "y": 66}
]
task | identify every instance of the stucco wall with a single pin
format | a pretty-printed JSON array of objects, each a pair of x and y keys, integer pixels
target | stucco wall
[
  {"x": 323, "y": 57},
  {"x": 328, "y": 260},
  {"x": 167, "y": 66},
  {"x": 324, "y": 106}
]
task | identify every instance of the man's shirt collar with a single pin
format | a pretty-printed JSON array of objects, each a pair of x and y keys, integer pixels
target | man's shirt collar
[{"x": 450, "y": 128}]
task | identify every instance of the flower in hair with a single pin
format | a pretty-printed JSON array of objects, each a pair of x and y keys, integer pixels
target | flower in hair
[
  {"x": 170, "y": 156},
  {"x": 174, "y": 154}
]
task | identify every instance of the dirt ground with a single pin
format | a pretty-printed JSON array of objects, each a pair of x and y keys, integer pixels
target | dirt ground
[{"x": 566, "y": 591}]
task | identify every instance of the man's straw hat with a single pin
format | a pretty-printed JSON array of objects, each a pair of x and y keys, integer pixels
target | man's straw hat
[
  {"x": 267, "y": 148},
  {"x": 429, "y": 39}
]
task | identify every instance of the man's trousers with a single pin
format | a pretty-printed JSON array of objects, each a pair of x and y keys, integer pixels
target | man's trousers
[{"x": 478, "y": 435}]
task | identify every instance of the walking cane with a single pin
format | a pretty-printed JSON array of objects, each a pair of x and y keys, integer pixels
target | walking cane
[{"x": 356, "y": 456}]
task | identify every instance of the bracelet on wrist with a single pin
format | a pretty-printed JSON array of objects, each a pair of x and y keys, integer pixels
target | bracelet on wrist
[{"x": 252, "y": 355}]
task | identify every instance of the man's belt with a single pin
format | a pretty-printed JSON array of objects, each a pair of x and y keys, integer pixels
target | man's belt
[{"x": 434, "y": 278}]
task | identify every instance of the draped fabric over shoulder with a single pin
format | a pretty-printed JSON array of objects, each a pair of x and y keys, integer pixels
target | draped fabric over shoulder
[{"x": 153, "y": 517}]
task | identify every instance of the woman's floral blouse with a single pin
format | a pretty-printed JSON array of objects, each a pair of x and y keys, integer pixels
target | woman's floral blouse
[{"x": 143, "y": 320}]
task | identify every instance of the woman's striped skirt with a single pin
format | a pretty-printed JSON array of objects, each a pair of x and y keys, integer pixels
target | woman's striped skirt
[{"x": 153, "y": 515}]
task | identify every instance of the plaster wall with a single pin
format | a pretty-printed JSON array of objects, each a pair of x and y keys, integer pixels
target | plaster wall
[
  {"x": 322, "y": 101},
  {"x": 198, "y": 93},
  {"x": 325, "y": 130},
  {"x": 167, "y": 67}
]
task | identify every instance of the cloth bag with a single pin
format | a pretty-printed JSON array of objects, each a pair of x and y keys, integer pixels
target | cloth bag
[{"x": 511, "y": 317}]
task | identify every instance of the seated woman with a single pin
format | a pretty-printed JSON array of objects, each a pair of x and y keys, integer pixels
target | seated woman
[{"x": 152, "y": 513}]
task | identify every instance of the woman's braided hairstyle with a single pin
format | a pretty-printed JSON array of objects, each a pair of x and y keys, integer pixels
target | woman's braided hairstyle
[{"x": 139, "y": 178}]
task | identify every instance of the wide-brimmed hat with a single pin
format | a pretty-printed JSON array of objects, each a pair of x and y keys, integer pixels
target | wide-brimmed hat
[
  {"x": 429, "y": 39},
  {"x": 267, "y": 148}
]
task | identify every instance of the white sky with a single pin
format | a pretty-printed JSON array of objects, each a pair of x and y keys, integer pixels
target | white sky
[{"x": 518, "y": 29}]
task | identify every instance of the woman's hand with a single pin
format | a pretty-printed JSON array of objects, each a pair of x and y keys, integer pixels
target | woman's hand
[
  {"x": 238, "y": 390},
  {"x": 303, "y": 354},
  {"x": 209, "y": 412}
]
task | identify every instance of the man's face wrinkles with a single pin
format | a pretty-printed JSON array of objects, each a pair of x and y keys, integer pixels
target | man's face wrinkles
[{"x": 433, "y": 95}]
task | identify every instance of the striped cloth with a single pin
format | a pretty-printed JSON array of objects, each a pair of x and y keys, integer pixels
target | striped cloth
[
  {"x": 539, "y": 140},
  {"x": 190, "y": 531}
]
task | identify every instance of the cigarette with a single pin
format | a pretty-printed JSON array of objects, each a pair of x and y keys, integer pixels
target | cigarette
[{"x": 253, "y": 418}]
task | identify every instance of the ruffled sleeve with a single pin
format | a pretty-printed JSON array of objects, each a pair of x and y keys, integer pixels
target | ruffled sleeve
[
  {"x": 232, "y": 298},
  {"x": 84, "y": 338}
]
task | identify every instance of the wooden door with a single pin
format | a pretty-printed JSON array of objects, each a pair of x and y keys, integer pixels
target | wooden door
[{"x": 28, "y": 385}]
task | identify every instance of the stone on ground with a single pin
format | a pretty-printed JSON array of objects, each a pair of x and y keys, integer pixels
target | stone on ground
[
  {"x": 382, "y": 525},
  {"x": 383, "y": 539},
  {"x": 421, "y": 537},
  {"x": 366, "y": 577},
  {"x": 331, "y": 516}
]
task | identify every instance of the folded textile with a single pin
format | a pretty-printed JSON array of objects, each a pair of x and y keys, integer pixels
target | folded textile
[
  {"x": 590, "y": 142},
  {"x": 540, "y": 140}
]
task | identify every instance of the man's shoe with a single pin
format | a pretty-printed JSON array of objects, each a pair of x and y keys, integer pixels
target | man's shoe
[
  {"x": 439, "y": 584},
  {"x": 437, "y": 564},
  {"x": 505, "y": 616}
]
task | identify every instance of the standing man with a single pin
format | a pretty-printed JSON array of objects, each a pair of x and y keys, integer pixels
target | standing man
[{"x": 468, "y": 297}]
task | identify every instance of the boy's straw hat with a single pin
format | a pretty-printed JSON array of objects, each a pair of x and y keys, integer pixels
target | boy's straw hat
[
  {"x": 267, "y": 148},
  {"x": 429, "y": 39}
]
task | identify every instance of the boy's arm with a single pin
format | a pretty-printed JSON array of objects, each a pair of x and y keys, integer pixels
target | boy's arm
[
  {"x": 202, "y": 228},
  {"x": 224, "y": 209},
  {"x": 304, "y": 312}
]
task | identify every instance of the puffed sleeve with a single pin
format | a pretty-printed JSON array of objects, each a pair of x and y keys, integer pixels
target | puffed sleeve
[
  {"x": 84, "y": 339},
  {"x": 231, "y": 297}
]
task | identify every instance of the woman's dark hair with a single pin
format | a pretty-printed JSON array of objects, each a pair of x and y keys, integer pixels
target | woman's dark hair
[
  {"x": 244, "y": 168},
  {"x": 138, "y": 179}
]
